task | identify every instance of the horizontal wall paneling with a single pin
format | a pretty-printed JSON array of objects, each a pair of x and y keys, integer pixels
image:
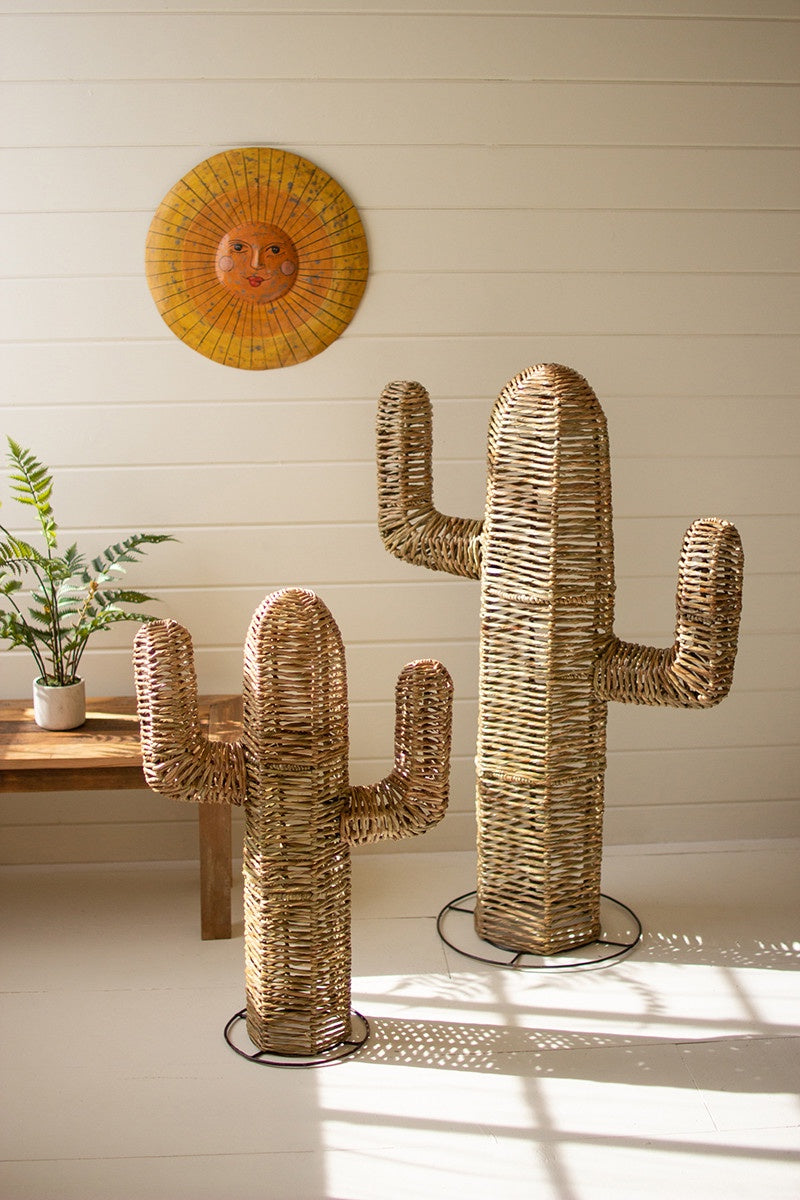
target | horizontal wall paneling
[{"x": 611, "y": 187}]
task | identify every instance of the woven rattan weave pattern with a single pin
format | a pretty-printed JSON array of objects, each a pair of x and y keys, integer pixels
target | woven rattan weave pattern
[
  {"x": 549, "y": 660},
  {"x": 290, "y": 770}
]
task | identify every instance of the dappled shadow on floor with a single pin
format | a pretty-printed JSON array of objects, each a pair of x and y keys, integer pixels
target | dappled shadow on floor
[
  {"x": 707, "y": 940},
  {"x": 499, "y": 1050},
  {"x": 454, "y": 1046}
]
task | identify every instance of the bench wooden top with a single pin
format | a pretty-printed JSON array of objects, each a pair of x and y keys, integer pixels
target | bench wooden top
[{"x": 102, "y": 753}]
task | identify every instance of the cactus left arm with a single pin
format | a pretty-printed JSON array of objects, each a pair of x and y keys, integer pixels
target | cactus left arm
[
  {"x": 179, "y": 760},
  {"x": 411, "y": 527},
  {"x": 413, "y": 797},
  {"x": 697, "y": 670}
]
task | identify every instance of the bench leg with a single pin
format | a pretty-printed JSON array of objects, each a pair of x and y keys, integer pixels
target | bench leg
[{"x": 215, "y": 871}]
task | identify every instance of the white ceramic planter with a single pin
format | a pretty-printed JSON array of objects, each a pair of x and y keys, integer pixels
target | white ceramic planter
[{"x": 59, "y": 707}]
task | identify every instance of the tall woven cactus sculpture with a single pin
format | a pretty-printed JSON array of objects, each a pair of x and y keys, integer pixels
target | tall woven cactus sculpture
[
  {"x": 549, "y": 659},
  {"x": 290, "y": 771}
]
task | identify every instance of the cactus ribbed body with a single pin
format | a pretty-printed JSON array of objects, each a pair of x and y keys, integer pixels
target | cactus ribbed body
[
  {"x": 290, "y": 770},
  {"x": 545, "y": 602},
  {"x": 296, "y": 866},
  {"x": 549, "y": 657}
]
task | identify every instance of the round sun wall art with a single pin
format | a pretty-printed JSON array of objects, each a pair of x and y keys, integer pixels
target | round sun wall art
[{"x": 257, "y": 258}]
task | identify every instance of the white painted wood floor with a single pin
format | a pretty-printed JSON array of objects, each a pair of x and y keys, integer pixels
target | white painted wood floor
[{"x": 674, "y": 1073}]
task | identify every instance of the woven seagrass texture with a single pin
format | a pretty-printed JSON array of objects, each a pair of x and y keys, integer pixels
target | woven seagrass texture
[
  {"x": 549, "y": 660},
  {"x": 410, "y": 526},
  {"x": 547, "y": 597},
  {"x": 179, "y": 760},
  {"x": 301, "y": 815},
  {"x": 697, "y": 670},
  {"x": 413, "y": 797},
  {"x": 296, "y": 867}
]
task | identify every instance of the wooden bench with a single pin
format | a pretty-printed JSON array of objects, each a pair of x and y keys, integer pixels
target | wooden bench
[{"x": 105, "y": 753}]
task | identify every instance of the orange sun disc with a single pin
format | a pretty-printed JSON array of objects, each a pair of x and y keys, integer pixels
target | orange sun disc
[{"x": 256, "y": 258}]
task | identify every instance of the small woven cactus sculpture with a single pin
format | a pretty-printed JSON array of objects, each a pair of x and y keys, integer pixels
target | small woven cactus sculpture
[
  {"x": 290, "y": 771},
  {"x": 549, "y": 659}
]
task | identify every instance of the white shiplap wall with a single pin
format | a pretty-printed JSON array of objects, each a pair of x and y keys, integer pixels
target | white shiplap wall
[{"x": 604, "y": 183}]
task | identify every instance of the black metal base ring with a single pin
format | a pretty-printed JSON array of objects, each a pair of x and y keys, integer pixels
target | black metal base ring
[
  {"x": 267, "y": 1058},
  {"x": 604, "y": 950}
]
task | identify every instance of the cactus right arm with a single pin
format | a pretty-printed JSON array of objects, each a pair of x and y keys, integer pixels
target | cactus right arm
[
  {"x": 410, "y": 526},
  {"x": 697, "y": 670},
  {"x": 179, "y": 760},
  {"x": 414, "y": 796}
]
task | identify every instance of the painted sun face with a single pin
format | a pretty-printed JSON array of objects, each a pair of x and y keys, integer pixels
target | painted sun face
[{"x": 257, "y": 262}]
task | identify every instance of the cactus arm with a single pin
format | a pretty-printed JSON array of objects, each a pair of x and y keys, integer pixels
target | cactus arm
[
  {"x": 697, "y": 670},
  {"x": 179, "y": 760},
  {"x": 413, "y": 797},
  {"x": 411, "y": 528}
]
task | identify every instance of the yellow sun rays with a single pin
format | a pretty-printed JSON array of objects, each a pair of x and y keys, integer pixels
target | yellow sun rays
[{"x": 270, "y": 187}]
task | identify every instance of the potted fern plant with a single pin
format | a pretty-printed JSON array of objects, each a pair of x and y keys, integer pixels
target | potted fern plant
[{"x": 69, "y": 598}]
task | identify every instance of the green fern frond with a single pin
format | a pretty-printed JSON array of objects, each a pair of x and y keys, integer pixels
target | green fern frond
[
  {"x": 126, "y": 596},
  {"x": 112, "y": 597},
  {"x": 40, "y": 615},
  {"x": 22, "y": 633},
  {"x": 19, "y": 556},
  {"x": 126, "y": 551},
  {"x": 103, "y": 620},
  {"x": 32, "y": 484},
  {"x": 74, "y": 561},
  {"x": 67, "y": 609},
  {"x": 13, "y": 629}
]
